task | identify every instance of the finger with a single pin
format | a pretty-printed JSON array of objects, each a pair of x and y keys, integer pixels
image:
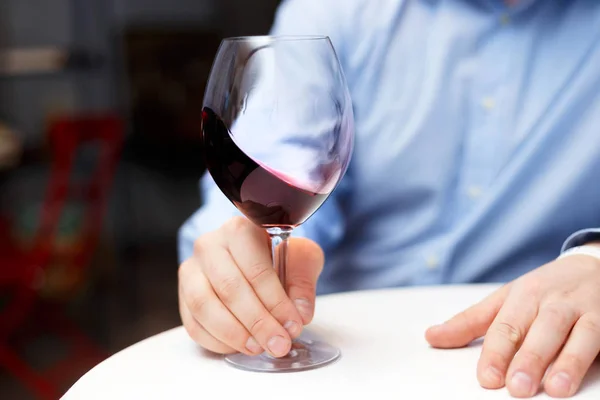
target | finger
[
  {"x": 305, "y": 264},
  {"x": 504, "y": 337},
  {"x": 576, "y": 357},
  {"x": 236, "y": 294},
  {"x": 206, "y": 308},
  {"x": 201, "y": 335},
  {"x": 253, "y": 257},
  {"x": 469, "y": 324},
  {"x": 541, "y": 345}
]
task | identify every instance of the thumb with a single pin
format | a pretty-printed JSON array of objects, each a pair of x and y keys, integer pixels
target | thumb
[
  {"x": 305, "y": 263},
  {"x": 469, "y": 324}
]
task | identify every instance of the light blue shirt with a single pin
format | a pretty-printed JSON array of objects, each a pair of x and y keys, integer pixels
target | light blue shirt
[{"x": 477, "y": 143}]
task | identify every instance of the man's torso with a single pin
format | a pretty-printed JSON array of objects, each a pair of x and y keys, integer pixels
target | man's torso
[{"x": 477, "y": 146}]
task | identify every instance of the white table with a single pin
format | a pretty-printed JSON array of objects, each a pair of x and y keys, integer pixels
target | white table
[{"x": 384, "y": 356}]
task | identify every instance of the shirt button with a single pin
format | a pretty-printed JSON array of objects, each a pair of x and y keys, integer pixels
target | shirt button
[
  {"x": 488, "y": 103},
  {"x": 432, "y": 262},
  {"x": 474, "y": 192}
]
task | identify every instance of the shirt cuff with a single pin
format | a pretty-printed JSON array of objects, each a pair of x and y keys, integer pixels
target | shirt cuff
[{"x": 580, "y": 238}]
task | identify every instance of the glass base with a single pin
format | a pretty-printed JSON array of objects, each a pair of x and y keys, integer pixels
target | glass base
[{"x": 307, "y": 353}]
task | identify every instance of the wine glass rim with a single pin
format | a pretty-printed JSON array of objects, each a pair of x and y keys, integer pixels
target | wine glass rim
[{"x": 276, "y": 38}]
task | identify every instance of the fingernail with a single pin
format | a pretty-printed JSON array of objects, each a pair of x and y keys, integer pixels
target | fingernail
[
  {"x": 292, "y": 327},
  {"x": 304, "y": 307},
  {"x": 278, "y": 346},
  {"x": 521, "y": 382},
  {"x": 493, "y": 376},
  {"x": 561, "y": 382},
  {"x": 253, "y": 345}
]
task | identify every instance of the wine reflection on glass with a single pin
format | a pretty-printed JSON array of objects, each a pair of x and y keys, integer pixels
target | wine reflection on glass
[{"x": 277, "y": 127}]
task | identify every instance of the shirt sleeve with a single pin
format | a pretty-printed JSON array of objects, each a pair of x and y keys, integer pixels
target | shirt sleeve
[
  {"x": 326, "y": 226},
  {"x": 580, "y": 238}
]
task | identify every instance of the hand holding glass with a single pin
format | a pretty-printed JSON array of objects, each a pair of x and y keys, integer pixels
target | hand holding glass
[{"x": 277, "y": 128}]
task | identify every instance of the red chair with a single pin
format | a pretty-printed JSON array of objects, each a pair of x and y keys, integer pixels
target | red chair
[{"x": 22, "y": 270}]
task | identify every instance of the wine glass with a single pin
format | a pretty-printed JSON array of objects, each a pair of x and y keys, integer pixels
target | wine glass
[{"x": 278, "y": 128}]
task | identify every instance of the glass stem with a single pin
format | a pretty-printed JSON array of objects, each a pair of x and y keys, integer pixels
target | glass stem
[{"x": 279, "y": 248}]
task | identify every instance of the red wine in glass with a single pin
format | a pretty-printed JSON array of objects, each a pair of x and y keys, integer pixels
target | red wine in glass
[{"x": 266, "y": 197}]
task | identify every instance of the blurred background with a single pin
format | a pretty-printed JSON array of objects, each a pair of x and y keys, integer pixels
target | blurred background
[{"x": 100, "y": 158}]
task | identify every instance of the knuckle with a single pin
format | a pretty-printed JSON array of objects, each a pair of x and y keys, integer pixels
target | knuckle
[
  {"x": 532, "y": 359},
  {"x": 258, "y": 324},
  {"x": 279, "y": 304},
  {"x": 591, "y": 323},
  {"x": 200, "y": 245},
  {"x": 197, "y": 303},
  {"x": 228, "y": 288},
  {"x": 531, "y": 287},
  {"x": 237, "y": 225},
  {"x": 509, "y": 332},
  {"x": 259, "y": 271},
  {"x": 559, "y": 317},
  {"x": 233, "y": 337},
  {"x": 205, "y": 242}
]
